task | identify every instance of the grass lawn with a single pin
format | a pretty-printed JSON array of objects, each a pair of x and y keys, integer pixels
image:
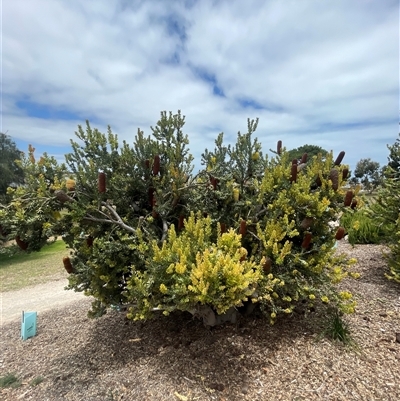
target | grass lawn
[{"x": 23, "y": 270}]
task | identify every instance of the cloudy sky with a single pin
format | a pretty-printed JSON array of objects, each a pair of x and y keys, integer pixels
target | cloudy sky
[{"x": 314, "y": 72}]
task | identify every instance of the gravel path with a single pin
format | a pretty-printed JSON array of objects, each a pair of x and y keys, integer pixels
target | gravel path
[{"x": 40, "y": 298}]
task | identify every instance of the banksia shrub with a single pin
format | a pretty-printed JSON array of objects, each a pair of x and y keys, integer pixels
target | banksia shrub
[{"x": 256, "y": 232}]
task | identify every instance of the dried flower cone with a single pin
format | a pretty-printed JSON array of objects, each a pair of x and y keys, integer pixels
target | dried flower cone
[
  {"x": 307, "y": 223},
  {"x": 22, "y": 244},
  {"x": 62, "y": 197},
  {"x": 348, "y": 198},
  {"x": 295, "y": 161},
  {"x": 213, "y": 182},
  {"x": 102, "y": 182},
  {"x": 67, "y": 265},
  {"x": 279, "y": 147},
  {"x": 150, "y": 193},
  {"x": 339, "y": 158},
  {"x": 89, "y": 241},
  {"x": 267, "y": 265},
  {"x": 304, "y": 158},
  {"x": 306, "y": 241},
  {"x": 354, "y": 204},
  {"x": 243, "y": 228},
  {"x": 222, "y": 227},
  {"x": 340, "y": 233},
  {"x": 345, "y": 173},
  {"x": 334, "y": 177},
  {"x": 293, "y": 173},
  {"x": 181, "y": 222},
  {"x": 156, "y": 165}
]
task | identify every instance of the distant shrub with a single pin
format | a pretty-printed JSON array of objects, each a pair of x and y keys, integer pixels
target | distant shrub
[{"x": 362, "y": 228}]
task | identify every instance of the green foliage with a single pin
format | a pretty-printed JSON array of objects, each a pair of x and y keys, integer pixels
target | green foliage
[
  {"x": 10, "y": 171},
  {"x": 9, "y": 380},
  {"x": 386, "y": 212},
  {"x": 336, "y": 328},
  {"x": 153, "y": 237},
  {"x": 36, "y": 381},
  {"x": 361, "y": 227}
]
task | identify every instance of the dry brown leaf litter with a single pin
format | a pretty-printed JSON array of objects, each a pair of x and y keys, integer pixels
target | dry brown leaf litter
[{"x": 179, "y": 359}]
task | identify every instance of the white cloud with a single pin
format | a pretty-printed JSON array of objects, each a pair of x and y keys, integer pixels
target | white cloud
[{"x": 325, "y": 73}]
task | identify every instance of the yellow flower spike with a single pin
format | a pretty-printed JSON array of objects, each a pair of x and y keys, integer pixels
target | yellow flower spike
[{"x": 163, "y": 288}]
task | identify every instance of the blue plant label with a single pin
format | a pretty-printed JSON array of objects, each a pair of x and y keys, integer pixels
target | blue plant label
[{"x": 28, "y": 325}]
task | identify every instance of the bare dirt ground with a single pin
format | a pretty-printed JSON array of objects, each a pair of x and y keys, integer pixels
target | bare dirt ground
[
  {"x": 177, "y": 358},
  {"x": 40, "y": 298}
]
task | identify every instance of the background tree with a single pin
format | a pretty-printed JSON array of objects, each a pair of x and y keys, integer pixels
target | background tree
[
  {"x": 368, "y": 173},
  {"x": 394, "y": 155},
  {"x": 11, "y": 172},
  {"x": 311, "y": 150}
]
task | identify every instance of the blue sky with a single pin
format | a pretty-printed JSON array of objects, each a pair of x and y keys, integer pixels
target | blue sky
[{"x": 314, "y": 72}]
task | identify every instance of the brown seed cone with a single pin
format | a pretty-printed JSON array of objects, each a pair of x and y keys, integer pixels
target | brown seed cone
[
  {"x": 223, "y": 227},
  {"x": 293, "y": 173},
  {"x": 243, "y": 228},
  {"x": 345, "y": 173},
  {"x": 295, "y": 161},
  {"x": 67, "y": 265},
  {"x": 334, "y": 177},
  {"x": 156, "y": 165},
  {"x": 175, "y": 200},
  {"x": 354, "y": 204},
  {"x": 307, "y": 223},
  {"x": 318, "y": 181},
  {"x": 89, "y": 241},
  {"x": 150, "y": 193},
  {"x": 267, "y": 265},
  {"x": 214, "y": 182},
  {"x": 279, "y": 147},
  {"x": 304, "y": 158},
  {"x": 339, "y": 158},
  {"x": 70, "y": 184},
  {"x": 22, "y": 244},
  {"x": 340, "y": 233},
  {"x": 62, "y": 197},
  {"x": 348, "y": 198},
  {"x": 306, "y": 241},
  {"x": 102, "y": 182},
  {"x": 181, "y": 222}
]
